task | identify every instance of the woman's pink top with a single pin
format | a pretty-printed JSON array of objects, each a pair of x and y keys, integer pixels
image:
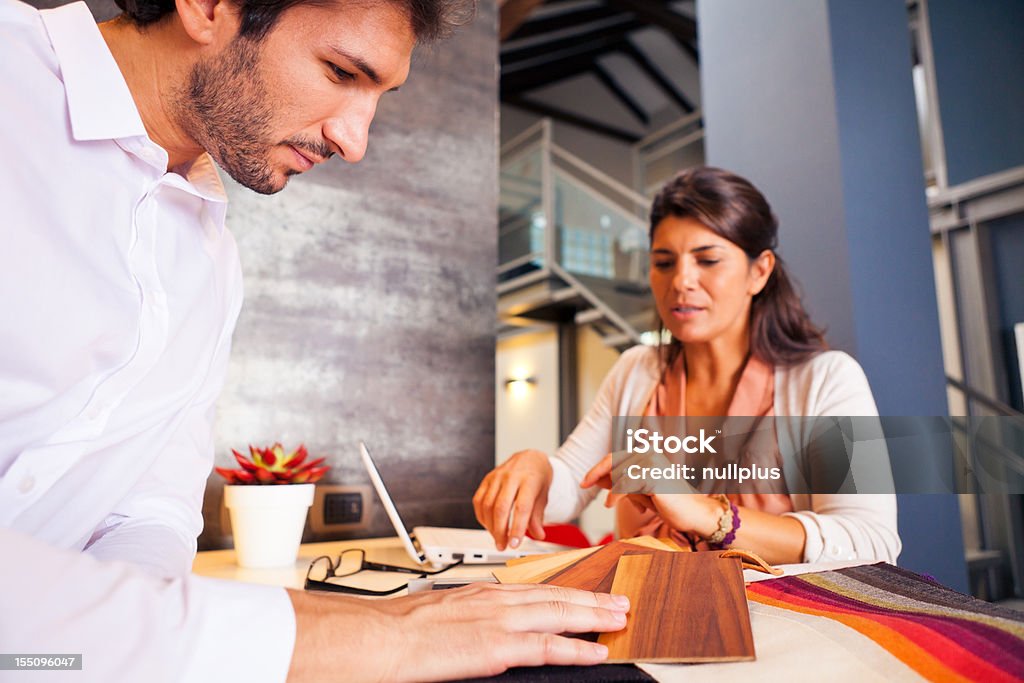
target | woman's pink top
[{"x": 754, "y": 397}]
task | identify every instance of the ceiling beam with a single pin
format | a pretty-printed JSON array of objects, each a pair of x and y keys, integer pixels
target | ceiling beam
[
  {"x": 513, "y": 13},
  {"x": 655, "y": 75},
  {"x": 572, "y": 119},
  {"x": 660, "y": 15},
  {"x": 616, "y": 89},
  {"x": 572, "y": 63},
  {"x": 566, "y": 20},
  {"x": 552, "y": 50},
  {"x": 690, "y": 49}
]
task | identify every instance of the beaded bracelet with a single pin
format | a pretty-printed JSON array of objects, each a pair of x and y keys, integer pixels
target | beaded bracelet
[
  {"x": 731, "y": 536},
  {"x": 728, "y": 524},
  {"x": 724, "y": 521}
]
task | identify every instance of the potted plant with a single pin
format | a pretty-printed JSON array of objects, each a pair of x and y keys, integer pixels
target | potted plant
[{"x": 268, "y": 498}]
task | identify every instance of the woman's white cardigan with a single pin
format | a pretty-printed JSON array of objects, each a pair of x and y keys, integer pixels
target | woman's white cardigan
[{"x": 839, "y": 526}]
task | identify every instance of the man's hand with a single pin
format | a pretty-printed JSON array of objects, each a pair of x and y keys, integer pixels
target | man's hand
[
  {"x": 479, "y": 630},
  {"x": 519, "y": 486}
]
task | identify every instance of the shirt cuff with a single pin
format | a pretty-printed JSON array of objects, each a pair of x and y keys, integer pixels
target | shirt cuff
[
  {"x": 246, "y": 632},
  {"x": 823, "y": 542}
]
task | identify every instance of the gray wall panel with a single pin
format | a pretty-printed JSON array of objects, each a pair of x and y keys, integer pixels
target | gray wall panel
[
  {"x": 813, "y": 101},
  {"x": 787, "y": 146},
  {"x": 979, "y": 59}
]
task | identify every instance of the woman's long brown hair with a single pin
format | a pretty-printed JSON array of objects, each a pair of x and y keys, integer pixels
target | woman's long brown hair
[{"x": 781, "y": 332}]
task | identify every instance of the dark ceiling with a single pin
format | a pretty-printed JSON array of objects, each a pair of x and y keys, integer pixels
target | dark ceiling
[{"x": 609, "y": 66}]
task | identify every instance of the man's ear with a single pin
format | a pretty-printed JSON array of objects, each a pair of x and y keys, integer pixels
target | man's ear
[
  {"x": 760, "y": 270},
  {"x": 208, "y": 21}
]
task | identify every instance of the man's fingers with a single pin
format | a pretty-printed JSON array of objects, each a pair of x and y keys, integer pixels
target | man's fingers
[
  {"x": 556, "y": 616},
  {"x": 540, "y": 593},
  {"x": 538, "y": 649}
]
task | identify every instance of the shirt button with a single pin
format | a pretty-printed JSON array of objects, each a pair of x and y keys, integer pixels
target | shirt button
[
  {"x": 26, "y": 484},
  {"x": 148, "y": 154},
  {"x": 834, "y": 550}
]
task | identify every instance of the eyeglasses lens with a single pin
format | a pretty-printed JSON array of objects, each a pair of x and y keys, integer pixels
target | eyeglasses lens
[
  {"x": 320, "y": 569},
  {"x": 350, "y": 562}
]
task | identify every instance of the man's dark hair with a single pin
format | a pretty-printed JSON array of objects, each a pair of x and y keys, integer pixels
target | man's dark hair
[{"x": 431, "y": 19}]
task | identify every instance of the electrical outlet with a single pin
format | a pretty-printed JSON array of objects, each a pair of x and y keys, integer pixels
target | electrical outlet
[
  {"x": 343, "y": 508},
  {"x": 339, "y": 508}
]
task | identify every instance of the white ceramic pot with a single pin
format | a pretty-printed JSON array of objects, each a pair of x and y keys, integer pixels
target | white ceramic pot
[{"x": 267, "y": 522}]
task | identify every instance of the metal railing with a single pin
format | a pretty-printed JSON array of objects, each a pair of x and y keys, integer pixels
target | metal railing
[
  {"x": 556, "y": 209},
  {"x": 562, "y": 218}
]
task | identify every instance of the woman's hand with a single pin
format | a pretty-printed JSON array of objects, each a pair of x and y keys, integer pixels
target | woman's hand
[
  {"x": 519, "y": 486},
  {"x": 599, "y": 475},
  {"x": 689, "y": 513}
]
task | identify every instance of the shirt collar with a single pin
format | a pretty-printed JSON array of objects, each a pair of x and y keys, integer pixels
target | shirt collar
[
  {"x": 99, "y": 103},
  {"x": 101, "y": 107}
]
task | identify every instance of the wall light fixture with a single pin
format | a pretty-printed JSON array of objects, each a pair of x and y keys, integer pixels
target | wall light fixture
[{"x": 518, "y": 387}]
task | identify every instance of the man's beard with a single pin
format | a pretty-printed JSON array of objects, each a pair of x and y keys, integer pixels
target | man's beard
[{"x": 224, "y": 108}]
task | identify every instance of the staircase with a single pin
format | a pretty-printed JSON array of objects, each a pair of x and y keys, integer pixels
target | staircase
[{"x": 572, "y": 245}]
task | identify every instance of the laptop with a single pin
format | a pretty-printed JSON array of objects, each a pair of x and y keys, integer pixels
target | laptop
[{"x": 441, "y": 546}]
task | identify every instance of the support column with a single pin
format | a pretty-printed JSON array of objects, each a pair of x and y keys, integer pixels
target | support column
[
  {"x": 568, "y": 378},
  {"x": 813, "y": 102}
]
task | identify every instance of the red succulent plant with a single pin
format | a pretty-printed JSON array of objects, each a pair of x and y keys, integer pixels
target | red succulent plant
[{"x": 272, "y": 465}]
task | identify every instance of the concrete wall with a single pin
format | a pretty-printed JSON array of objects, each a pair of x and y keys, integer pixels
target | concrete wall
[{"x": 370, "y": 298}]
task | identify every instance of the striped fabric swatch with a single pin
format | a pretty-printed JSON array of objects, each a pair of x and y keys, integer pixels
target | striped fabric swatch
[{"x": 939, "y": 633}]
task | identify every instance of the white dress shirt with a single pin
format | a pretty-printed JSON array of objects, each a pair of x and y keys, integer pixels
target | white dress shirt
[{"x": 121, "y": 288}]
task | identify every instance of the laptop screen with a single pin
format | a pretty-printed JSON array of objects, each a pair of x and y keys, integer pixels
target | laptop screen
[{"x": 389, "y": 506}]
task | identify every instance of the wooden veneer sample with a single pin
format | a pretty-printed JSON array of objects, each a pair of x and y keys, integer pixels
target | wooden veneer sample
[
  {"x": 540, "y": 569},
  {"x": 655, "y": 543},
  {"x": 596, "y": 572},
  {"x": 684, "y": 607},
  {"x": 537, "y": 568}
]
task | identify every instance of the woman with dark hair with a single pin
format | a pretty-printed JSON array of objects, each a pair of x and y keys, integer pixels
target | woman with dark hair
[{"x": 740, "y": 344}]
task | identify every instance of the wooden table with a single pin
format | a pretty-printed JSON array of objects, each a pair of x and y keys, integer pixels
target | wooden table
[{"x": 787, "y": 649}]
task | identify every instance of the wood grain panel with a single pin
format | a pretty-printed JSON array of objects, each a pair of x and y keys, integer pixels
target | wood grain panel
[
  {"x": 685, "y": 607},
  {"x": 596, "y": 572},
  {"x": 535, "y": 572}
]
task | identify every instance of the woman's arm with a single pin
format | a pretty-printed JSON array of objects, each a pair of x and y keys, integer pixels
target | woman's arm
[
  {"x": 591, "y": 441},
  {"x": 849, "y": 526},
  {"x": 778, "y": 539},
  {"x": 845, "y": 526},
  {"x": 534, "y": 488}
]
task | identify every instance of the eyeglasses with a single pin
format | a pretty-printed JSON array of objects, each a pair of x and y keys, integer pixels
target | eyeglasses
[{"x": 351, "y": 562}]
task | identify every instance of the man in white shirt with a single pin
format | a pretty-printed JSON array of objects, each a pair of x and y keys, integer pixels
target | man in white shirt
[{"x": 121, "y": 288}]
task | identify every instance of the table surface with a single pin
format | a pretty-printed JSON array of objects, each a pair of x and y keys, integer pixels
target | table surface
[{"x": 774, "y": 635}]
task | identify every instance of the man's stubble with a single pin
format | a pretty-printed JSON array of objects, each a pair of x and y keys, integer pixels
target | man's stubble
[{"x": 224, "y": 107}]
